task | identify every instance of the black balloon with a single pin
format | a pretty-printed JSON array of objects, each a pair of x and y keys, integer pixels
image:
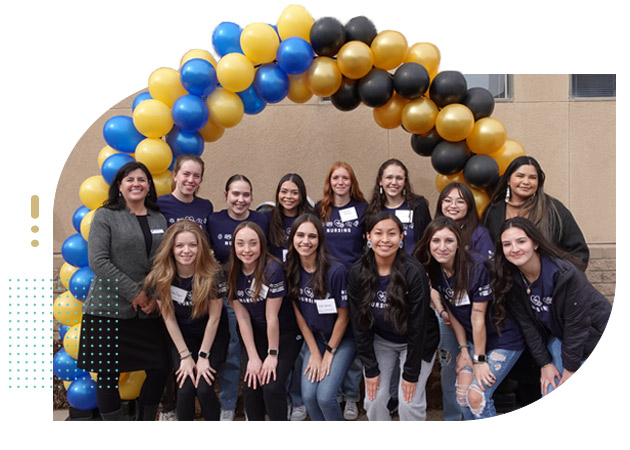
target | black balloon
[
  {"x": 448, "y": 87},
  {"x": 480, "y": 101},
  {"x": 346, "y": 98},
  {"x": 449, "y": 158},
  {"x": 411, "y": 80},
  {"x": 481, "y": 171},
  {"x": 327, "y": 36},
  {"x": 360, "y": 29},
  {"x": 376, "y": 88},
  {"x": 423, "y": 144}
]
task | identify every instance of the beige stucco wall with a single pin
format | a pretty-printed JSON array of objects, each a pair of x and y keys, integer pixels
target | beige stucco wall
[{"x": 573, "y": 140}]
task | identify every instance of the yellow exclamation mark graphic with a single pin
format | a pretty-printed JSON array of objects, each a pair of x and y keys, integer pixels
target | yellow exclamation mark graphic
[{"x": 35, "y": 215}]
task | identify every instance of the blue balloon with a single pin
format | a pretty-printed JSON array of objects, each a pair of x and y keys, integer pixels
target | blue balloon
[
  {"x": 271, "y": 83},
  {"x": 112, "y": 165},
  {"x": 65, "y": 367},
  {"x": 63, "y": 329},
  {"x": 121, "y": 134},
  {"x": 74, "y": 250},
  {"x": 82, "y": 394},
  {"x": 226, "y": 38},
  {"x": 184, "y": 142},
  {"x": 80, "y": 282},
  {"x": 252, "y": 103},
  {"x": 190, "y": 113},
  {"x": 295, "y": 55},
  {"x": 198, "y": 77},
  {"x": 140, "y": 98},
  {"x": 78, "y": 215}
]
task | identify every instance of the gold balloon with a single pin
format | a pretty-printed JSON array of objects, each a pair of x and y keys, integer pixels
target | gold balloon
[
  {"x": 163, "y": 183},
  {"x": 235, "y": 72},
  {"x": 482, "y": 199},
  {"x": 198, "y": 54},
  {"x": 67, "y": 309},
  {"x": 85, "y": 225},
  {"x": 389, "y": 116},
  {"x": 355, "y": 59},
  {"x": 93, "y": 191},
  {"x": 488, "y": 136},
  {"x": 441, "y": 181},
  {"x": 454, "y": 122},
  {"x": 259, "y": 42},
  {"x": 505, "y": 155},
  {"x": 71, "y": 340},
  {"x": 130, "y": 384},
  {"x": 389, "y": 49},
  {"x": 165, "y": 86},
  {"x": 152, "y": 118},
  {"x": 426, "y": 54},
  {"x": 418, "y": 116},
  {"x": 299, "y": 92},
  {"x": 324, "y": 77},
  {"x": 226, "y": 108},
  {"x": 105, "y": 153},
  {"x": 65, "y": 273},
  {"x": 155, "y": 154},
  {"x": 295, "y": 20},
  {"x": 211, "y": 132}
]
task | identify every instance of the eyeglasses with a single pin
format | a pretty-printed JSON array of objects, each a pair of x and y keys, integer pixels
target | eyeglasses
[{"x": 458, "y": 202}]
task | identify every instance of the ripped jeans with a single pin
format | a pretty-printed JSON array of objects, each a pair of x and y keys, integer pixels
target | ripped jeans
[{"x": 475, "y": 403}]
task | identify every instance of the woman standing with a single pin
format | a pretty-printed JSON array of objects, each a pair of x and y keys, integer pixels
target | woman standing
[
  {"x": 124, "y": 236},
  {"x": 267, "y": 325},
  {"x": 187, "y": 281},
  {"x": 561, "y": 314},
  {"x": 318, "y": 287},
  {"x": 461, "y": 290},
  {"x": 392, "y": 320}
]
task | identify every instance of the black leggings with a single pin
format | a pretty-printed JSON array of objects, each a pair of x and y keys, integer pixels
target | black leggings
[{"x": 108, "y": 397}]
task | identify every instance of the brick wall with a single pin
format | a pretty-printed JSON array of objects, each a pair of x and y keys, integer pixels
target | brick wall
[{"x": 602, "y": 269}]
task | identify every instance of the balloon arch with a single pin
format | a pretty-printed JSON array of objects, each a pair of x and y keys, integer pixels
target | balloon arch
[{"x": 297, "y": 58}]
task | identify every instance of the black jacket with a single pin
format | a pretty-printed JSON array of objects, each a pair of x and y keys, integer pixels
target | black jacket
[
  {"x": 422, "y": 328},
  {"x": 580, "y": 311},
  {"x": 421, "y": 217}
]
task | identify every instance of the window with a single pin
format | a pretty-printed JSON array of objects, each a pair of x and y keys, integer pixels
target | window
[
  {"x": 500, "y": 85},
  {"x": 593, "y": 87}
]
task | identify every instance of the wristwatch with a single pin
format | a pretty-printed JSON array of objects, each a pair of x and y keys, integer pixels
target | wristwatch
[
  {"x": 479, "y": 359},
  {"x": 204, "y": 355},
  {"x": 330, "y": 349},
  {"x": 272, "y": 352}
]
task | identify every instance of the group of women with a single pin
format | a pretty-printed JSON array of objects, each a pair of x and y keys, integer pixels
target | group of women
[{"x": 308, "y": 299}]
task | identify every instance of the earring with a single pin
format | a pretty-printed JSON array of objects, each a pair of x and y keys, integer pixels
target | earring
[
  {"x": 369, "y": 244},
  {"x": 119, "y": 194},
  {"x": 507, "y": 194},
  {"x": 380, "y": 190},
  {"x": 404, "y": 192},
  {"x": 400, "y": 244}
]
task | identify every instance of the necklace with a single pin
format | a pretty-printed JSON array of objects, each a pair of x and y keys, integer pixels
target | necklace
[
  {"x": 528, "y": 286},
  {"x": 449, "y": 291}
]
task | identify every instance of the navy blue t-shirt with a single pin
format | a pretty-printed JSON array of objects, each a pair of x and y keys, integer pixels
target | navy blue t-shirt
[
  {"x": 378, "y": 307},
  {"x": 281, "y": 252},
  {"x": 181, "y": 295},
  {"x": 336, "y": 288},
  {"x": 345, "y": 230},
  {"x": 405, "y": 215},
  {"x": 541, "y": 295},
  {"x": 481, "y": 242},
  {"x": 175, "y": 210},
  {"x": 220, "y": 228}
]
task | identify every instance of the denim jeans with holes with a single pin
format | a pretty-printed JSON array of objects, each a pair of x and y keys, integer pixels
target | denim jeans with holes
[{"x": 554, "y": 345}]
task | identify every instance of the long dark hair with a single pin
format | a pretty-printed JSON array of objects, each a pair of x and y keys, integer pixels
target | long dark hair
[
  {"x": 461, "y": 264},
  {"x": 277, "y": 234},
  {"x": 322, "y": 261},
  {"x": 235, "y": 266},
  {"x": 470, "y": 221},
  {"x": 396, "y": 313},
  {"x": 116, "y": 201},
  {"x": 504, "y": 272}
]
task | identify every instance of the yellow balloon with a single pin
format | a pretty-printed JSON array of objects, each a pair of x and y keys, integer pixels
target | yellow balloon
[
  {"x": 235, "y": 72},
  {"x": 65, "y": 273},
  {"x": 85, "y": 224},
  {"x": 482, "y": 199},
  {"x": 163, "y": 183},
  {"x": 454, "y": 122},
  {"x": 441, "y": 181},
  {"x": 418, "y": 116},
  {"x": 67, "y": 309},
  {"x": 130, "y": 384},
  {"x": 488, "y": 136},
  {"x": 259, "y": 42},
  {"x": 211, "y": 132},
  {"x": 426, "y": 54},
  {"x": 389, "y": 116},
  {"x": 66, "y": 384},
  {"x": 299, "y": 92},
  {"x": 152, "y": 118},
  {"x": 389, "y": 49},
  {"x": 165, "y": 86},
  {"x": 226, "y": 108},
  {"x": 71, "y": 340},
  {"x": 509, "y": 152},
  {"x": 295, "y": 20},
  {"x": 93, "y": 191},
  {"x": 105, "y": 153},
  {"x": 198, "y": 54},
  {"x": 324, "y": 77},
  {"x": 355, "y": 59},
  {"x": 155, "y": 154}
]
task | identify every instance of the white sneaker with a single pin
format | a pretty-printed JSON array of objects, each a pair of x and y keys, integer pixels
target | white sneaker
[
  {"x": 168, "y": 415},
  {"x": 227, "y": 415},
  {"x": 298, "y": 413},
  {"x": 350, "y": 411}
]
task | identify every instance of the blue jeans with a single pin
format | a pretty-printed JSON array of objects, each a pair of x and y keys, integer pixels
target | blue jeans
[
  {"x": 230, "y": 371},
  {"x": 554, "y": 345},
  {"x": 320, "y": 397},
  {"x": 447, "y": 352},
  {"x": 294, "y": 382},
  {"x": 349, "y": 390},
  {"x": 501, "y": 362}
]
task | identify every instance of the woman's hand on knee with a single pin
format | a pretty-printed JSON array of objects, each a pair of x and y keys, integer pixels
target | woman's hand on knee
[
  {"x": 408, "y": 389},
  {"x": 312, "y": 367},
  {"x": 205, "y": 370},
  {"x": 371, "y": 386},
  {"x": 548, "y": 376},
  {"x": 186, "y": 369},
  {"x": 484, "y": 375}
]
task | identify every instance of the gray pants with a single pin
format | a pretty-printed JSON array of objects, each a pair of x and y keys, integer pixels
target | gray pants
[{"x": 388, "y": 355}]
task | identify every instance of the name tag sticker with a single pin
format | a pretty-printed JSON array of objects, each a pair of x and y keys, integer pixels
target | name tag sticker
[
  {"x": 264, "y": 290},
  {"x": 348, "y": 214},
  {"x": 157, "y": 231},
  {"x": 178, "y": 295},
  {"x": 463, "y": 300},
  {"x": 404, "y": 215},
  {"x": 284, "y": 254},
  {"x": 326, "y": 306}
]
